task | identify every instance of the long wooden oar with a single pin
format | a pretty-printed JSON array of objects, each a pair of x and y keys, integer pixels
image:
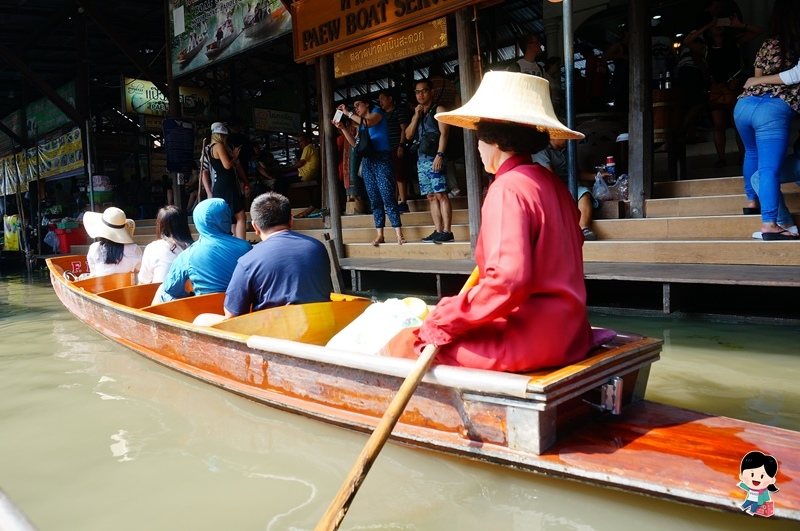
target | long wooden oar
[{"x": 347, "y": 492}]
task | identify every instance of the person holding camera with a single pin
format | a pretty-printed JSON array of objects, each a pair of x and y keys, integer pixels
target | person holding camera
[
  {"x": 431, "y": 142},
  {"x": 377, "y": 171}
]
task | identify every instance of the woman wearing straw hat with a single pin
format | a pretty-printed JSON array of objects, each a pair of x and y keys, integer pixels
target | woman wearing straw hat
[
  {"x": 528, "y": 309},
  {"x": 114, "y": 250}
]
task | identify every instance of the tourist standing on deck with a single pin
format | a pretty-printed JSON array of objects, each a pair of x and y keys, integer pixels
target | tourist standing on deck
[
  {"x": 431, "y": 139},
  {"x": 223, "y": 160},
  {"x": 376, "y": 166},
  {"x": 763, "y": 116},
  {"x": 528, "y": 309}
]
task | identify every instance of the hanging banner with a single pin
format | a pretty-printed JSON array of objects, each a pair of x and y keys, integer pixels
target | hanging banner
[
  {"x": 278, "y": 121},
  {"x": 60, "y": 154},
  {"x": 400, "y": 45},
  {"x": 142, "y": 97},
  {"x": 321, "y": 27},
  {"x": 209, "y": 31}
]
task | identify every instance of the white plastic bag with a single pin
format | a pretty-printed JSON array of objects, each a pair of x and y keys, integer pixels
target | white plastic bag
[
  {"x": 600, "y": 191},
  {"x": 620, "y": 188},
  {"x": 379, "y": 323}
]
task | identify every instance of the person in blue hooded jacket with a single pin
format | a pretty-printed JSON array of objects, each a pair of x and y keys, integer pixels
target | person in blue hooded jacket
[{"x": 209, "y": 262}]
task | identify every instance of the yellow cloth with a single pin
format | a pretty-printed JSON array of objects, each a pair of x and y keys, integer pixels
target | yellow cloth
[{"x": 309, "y": 170}]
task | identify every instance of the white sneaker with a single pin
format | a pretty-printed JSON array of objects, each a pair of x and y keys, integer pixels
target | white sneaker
[
  {"x": 455, "y": 192},
  {"x": 757, "y": 235}
]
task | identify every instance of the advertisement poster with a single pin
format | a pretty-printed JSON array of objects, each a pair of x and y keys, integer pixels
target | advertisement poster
[
  {"x": 142, "y": 97},
  {"x": 208, "y": 31}
]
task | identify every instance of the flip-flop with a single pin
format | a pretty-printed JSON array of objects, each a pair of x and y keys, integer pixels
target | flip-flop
[
  {"x": 749, "y": 211},
  {"x": 401, "y": 241},
  {"x": 782, "y": 235},
  {"x": 377, "y": 241}
]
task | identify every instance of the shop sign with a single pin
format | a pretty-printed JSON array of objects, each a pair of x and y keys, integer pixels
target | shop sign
[
  {"x": 143, "y": 97},
  {"x": 278, "y": 121},
  {"x": 394, "y": 47},
  {"x": 321, "y": 27}
]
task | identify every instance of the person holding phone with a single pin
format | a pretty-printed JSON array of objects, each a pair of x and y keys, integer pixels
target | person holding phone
[{"x": 376, "y": 166}]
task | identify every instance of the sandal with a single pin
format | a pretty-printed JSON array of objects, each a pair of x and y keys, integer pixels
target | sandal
[
  {"x": 377, "y": 241},
  {"x": 401, "y": 240},
  {"x": 782, "y": 235}
]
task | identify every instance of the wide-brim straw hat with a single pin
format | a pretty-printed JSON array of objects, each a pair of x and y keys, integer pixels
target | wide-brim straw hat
[
  {"x": 112, "y": 225},
  {"x": 510, "y": 97}
]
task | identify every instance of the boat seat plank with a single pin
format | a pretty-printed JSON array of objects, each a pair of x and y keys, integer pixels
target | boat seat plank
[
  {"x": 189, "y": 308},
  {"x": 618, "y": 355},
  {"x": 314, "y": 323},
  {"x": 106, "y": 282},
  {"x": 136, "y": 297}
]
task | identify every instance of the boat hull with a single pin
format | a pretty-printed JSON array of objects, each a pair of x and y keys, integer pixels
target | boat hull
[{"x": 650, "y": 448}]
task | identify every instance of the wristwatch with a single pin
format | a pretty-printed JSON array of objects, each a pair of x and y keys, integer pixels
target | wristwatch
[
  {"x": 440, "y": 154},
  {"x": 350, "y": 114}
]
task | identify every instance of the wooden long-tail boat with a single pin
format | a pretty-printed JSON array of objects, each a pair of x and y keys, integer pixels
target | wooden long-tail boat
[{"x": 558, "y": 422}]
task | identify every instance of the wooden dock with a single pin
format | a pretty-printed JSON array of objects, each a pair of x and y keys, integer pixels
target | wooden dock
[{"x": 694, "y": 244}]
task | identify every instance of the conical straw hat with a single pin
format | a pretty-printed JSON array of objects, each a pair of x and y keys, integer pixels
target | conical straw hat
[{"x": 510, "y": 97}]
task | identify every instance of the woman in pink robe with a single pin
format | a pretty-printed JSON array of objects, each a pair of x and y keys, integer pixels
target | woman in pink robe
[{"x": 528, "y": 309}]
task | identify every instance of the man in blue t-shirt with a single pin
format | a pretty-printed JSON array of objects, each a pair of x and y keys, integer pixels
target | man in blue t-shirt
[{"x": 284, "y": 268}]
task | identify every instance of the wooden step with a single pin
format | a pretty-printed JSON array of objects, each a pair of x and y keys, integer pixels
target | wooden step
[
  {"x": 681, "y": 228},
  {"x": 423, "y": 251},
  {"x": 699, "y": 187},
  {"x": 708, "y": 187},
  {"x": 720, "y": 251},
  {"x": 720, "y": 205},
  {"x": 460, "y": 216},
  {"x": 412, "y": 234}
]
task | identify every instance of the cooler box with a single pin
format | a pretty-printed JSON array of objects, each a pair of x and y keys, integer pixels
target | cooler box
[{"x": 70, "y": 236}]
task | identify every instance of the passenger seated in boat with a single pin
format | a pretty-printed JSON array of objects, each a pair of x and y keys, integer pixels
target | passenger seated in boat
[
  {"x": 172, "y": 238},
  {"x": 284, "y": 268},
  {"x": 114, "y": 250},
  {"x": 528, "y": 309},
  {"x": 209, "y": 262}
]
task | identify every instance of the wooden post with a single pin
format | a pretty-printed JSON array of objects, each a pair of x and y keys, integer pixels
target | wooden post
[
  {"x": 336, "y": 269},
  {"x": 640, "y": 113},
  {"x": 474, "y": 168},
  {"x": 327, "y": 136}
]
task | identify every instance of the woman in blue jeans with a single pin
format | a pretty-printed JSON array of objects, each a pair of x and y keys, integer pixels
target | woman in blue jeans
[{"x": 763, "y": 115}]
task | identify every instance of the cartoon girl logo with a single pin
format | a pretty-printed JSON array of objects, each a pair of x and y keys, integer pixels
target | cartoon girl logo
[{"x": 758, "y": 477}]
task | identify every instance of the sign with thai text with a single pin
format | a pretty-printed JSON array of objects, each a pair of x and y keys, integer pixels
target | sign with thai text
[
  {"x": 400, "y": 45},
  {"x": 142, "y": 97},
  {"x": 321, "y": 27},
  {"x": 278, "y": 121}
]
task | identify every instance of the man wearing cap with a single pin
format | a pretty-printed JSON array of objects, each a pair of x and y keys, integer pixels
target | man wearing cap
[
  {"x": 528, "y": 308},
  {"x": 432, "y": 168},
  {"x": 209, "y": 262},
  {"x": 284, "y": 268}
]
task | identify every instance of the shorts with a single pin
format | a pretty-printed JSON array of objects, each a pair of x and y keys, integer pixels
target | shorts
[
  {"x": 583, "y": 190},
  {"x": 431, "y": 182},
  {"x": 398, "y": 166}
]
